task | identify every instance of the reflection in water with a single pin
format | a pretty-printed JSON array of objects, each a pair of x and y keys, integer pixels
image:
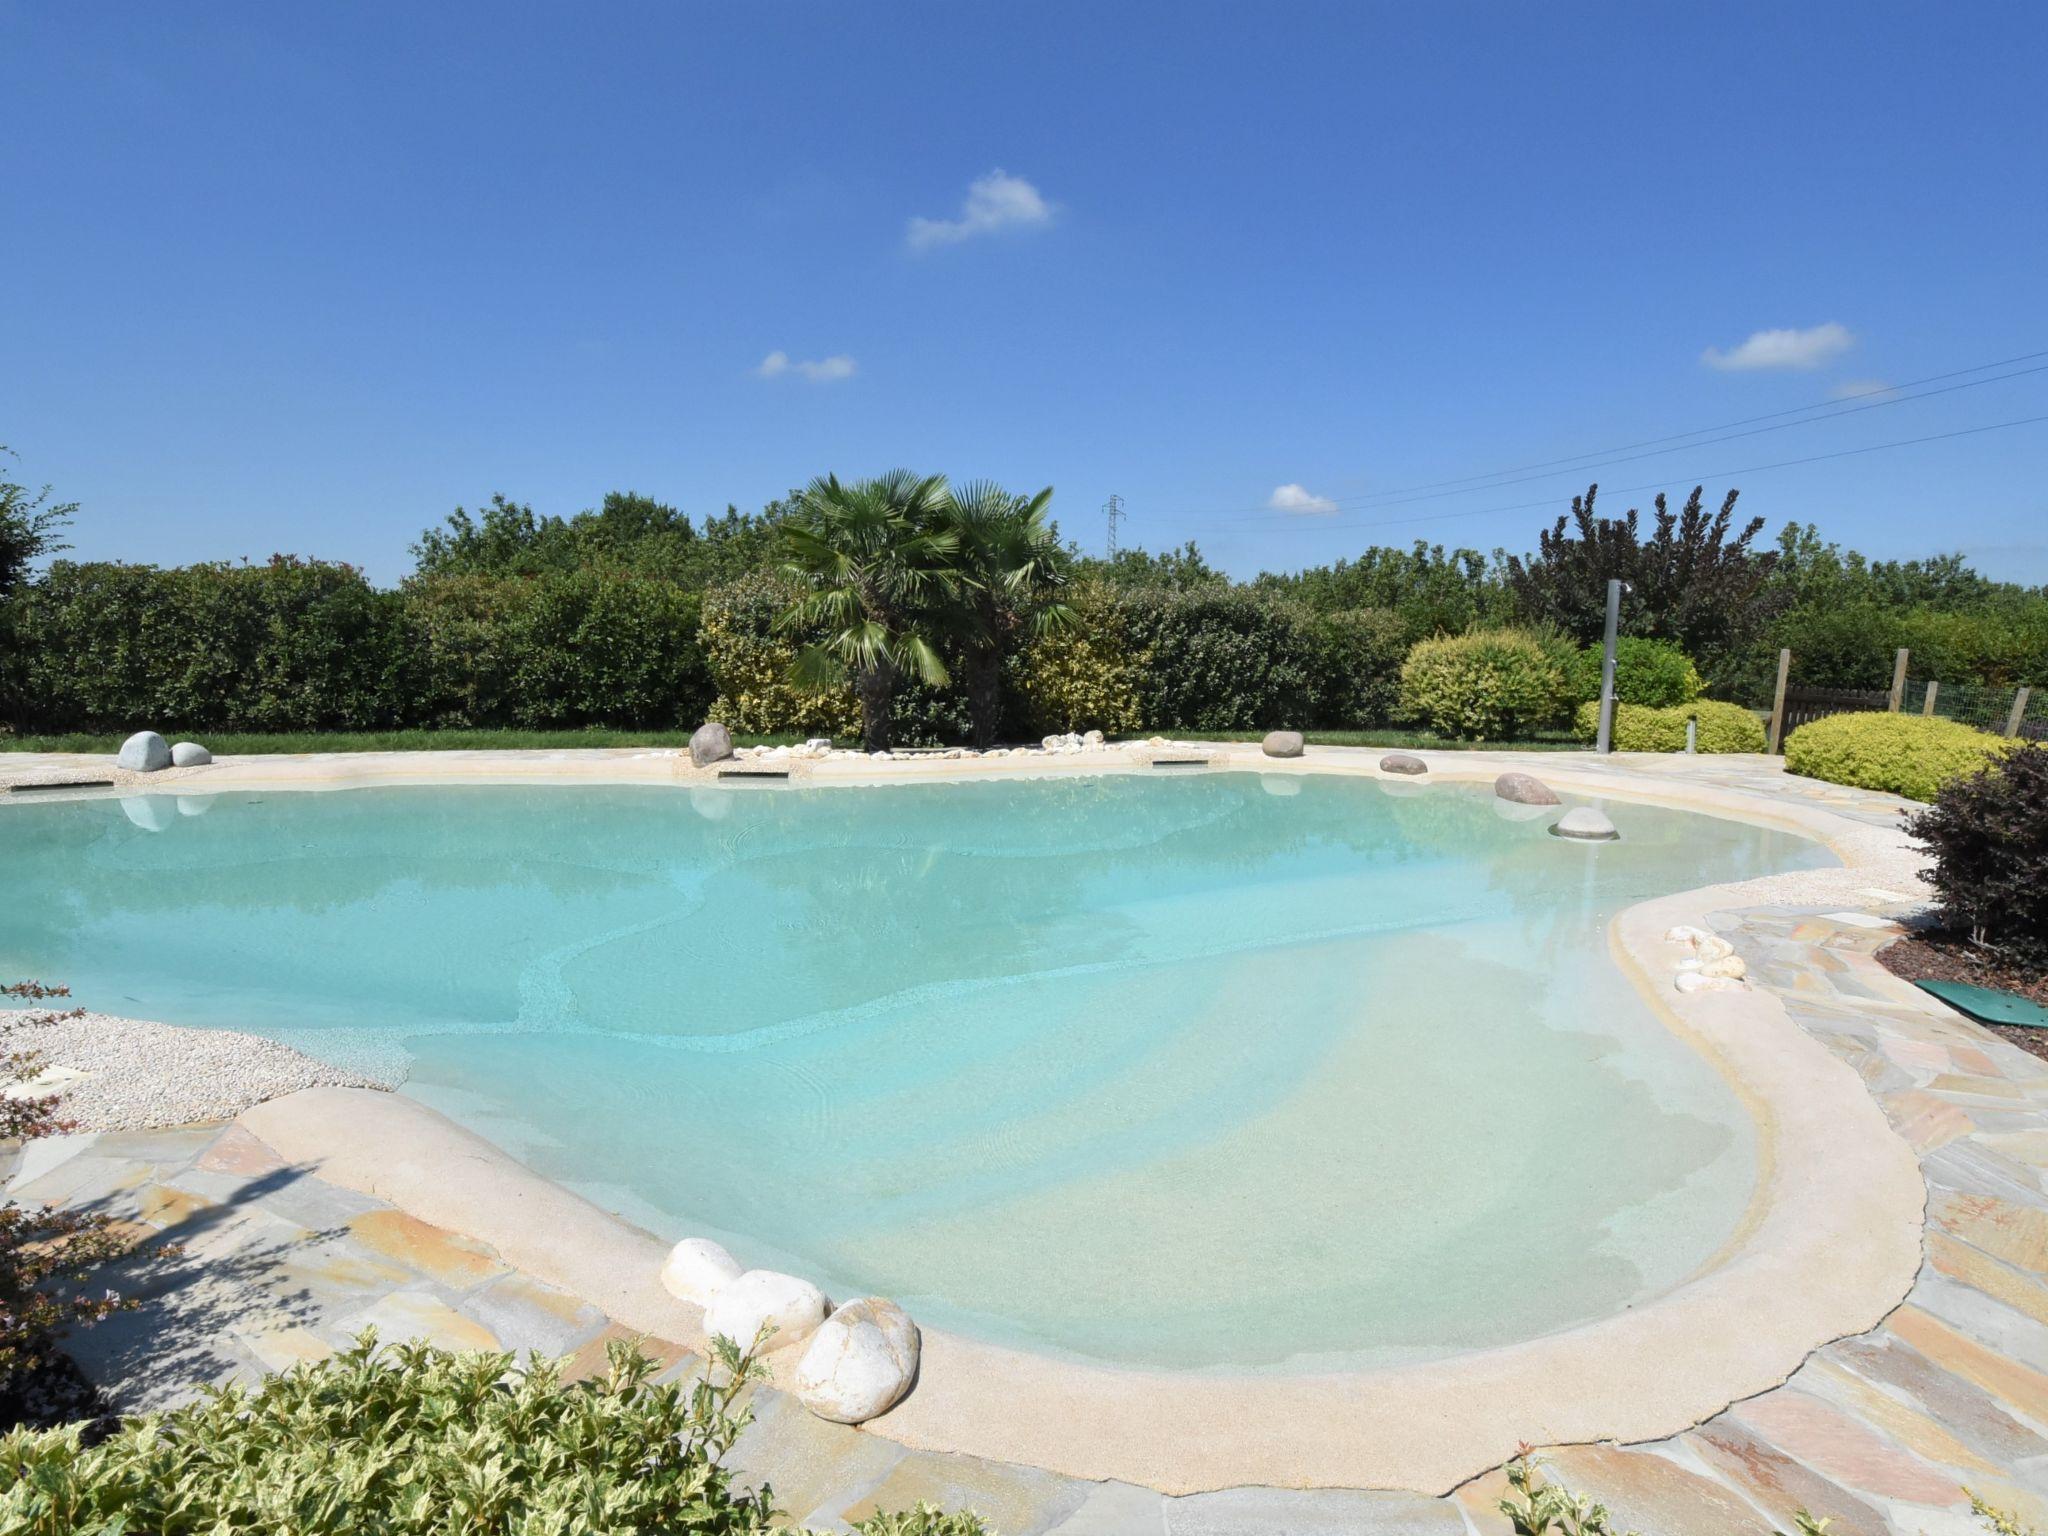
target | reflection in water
[{"x": 1223, "y": 1070}]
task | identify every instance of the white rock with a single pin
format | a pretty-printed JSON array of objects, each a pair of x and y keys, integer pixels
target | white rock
[
  {"x": 1713, "y": 947},
  {"x": 1684, "y": 934},
  {"x": 1093, "y": 738},
  {"x": 697, "y": 1269},
  {"x": 144, "y": 752},
  {"x": 1694, "y": 981},
  {"x": 860, "y": 1363},
  {"x": 189, "y": 754},
  {"x": 1585, "y": 824},
  {"x": 764, "y": 1298},
  {"x": 1728, "y": 966}
]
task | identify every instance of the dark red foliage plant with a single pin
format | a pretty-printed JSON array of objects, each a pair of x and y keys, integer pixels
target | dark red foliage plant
[{"x": 1988, "y": 833}]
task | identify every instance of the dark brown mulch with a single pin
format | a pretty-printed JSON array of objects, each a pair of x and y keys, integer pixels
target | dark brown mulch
[
  {"x": 1938, "y": 956},
  {"x": 53, "y": 1392}
]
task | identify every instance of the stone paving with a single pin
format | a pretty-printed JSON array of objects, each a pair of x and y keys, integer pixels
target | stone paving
[{"x": 1883, "y": 1433}]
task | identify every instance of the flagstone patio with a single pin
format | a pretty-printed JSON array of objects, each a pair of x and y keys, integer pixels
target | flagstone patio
[{"x": 1882, "y": 1432}]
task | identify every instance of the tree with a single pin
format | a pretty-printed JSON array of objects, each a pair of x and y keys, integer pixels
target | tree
[
  {"x": 874, "y": 559},
  {"x": 28, "y": 530},
  {"x": 1689, "y": 582},
  {"x": 1013, "y": 573}
]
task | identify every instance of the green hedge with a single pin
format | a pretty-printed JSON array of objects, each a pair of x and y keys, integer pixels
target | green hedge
[
  {"x": 1722, "y": 727},
  {"x": 297, "y": 645},
  {"x": 1486, "y": 685},
  {"x": 292, "y": 644},
  {"x": 1910, "y": 755}
]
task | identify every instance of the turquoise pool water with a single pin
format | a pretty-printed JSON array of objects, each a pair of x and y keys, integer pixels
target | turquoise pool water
[{"x": 1217, "y": 1071}]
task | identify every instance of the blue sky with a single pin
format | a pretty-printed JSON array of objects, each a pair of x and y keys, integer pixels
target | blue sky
[{"x": 305, "y": 277}]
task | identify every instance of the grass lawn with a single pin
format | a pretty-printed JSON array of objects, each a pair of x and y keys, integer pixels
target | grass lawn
[
  {"x": 1551, "y": 741},
  {"x": 235, "y": 743},
  {"x": 229, "y": 743}
]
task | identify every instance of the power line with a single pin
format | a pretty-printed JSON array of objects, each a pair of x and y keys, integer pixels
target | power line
[
  {"x": 1893, "y": 396},
  {"x": 1657, "y": 453},
  {"x": 1658, "y": 485}
]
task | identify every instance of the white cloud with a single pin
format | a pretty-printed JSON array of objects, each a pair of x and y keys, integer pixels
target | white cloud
[
  {"x": 1301, "y": 500},
  {"x": 822, "y": 370},
  {"x": 1784, "y": 349},
  {"x": 996, "y": 201},
  {"x": 1861, "y": 389}
]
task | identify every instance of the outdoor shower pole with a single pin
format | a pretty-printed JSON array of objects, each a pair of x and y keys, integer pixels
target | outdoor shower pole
[{"x": 1606, "y": 741}]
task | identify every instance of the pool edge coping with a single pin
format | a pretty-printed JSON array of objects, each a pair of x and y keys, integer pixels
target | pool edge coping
[{"x": 1805, "y": 1275}]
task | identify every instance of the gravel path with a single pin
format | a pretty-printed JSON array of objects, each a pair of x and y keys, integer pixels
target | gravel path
[{"x": 119, "y": 1074}]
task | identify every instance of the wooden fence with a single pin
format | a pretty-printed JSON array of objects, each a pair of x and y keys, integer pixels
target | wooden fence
[{"x": 1793, "y": 707}]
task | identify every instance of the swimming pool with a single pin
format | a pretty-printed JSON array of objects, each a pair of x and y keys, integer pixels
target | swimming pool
[{"x": 1229, "y": 1072}]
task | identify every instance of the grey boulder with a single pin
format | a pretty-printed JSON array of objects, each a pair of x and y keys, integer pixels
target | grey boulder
[
  {"x": 1403, "y": 762},
  {"x": 1586, "y": 824},
  {"x": 710, "y": 743},
  {"x": 1282, "y": 744},
  {"x": 189, "y": 754},
  {"x": 1524, "y": 789},
  {"x": 144, "y": 752}
]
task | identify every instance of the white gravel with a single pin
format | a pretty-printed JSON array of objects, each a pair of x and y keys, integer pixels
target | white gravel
[{"x": 117, "y": 1074}]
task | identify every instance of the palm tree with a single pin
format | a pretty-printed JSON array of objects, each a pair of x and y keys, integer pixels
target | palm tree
[
  {"x": 875, "y": 559},
  {"x": 1012, "y": 572}
]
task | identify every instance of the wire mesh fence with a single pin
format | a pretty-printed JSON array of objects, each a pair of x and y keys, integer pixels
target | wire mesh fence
[{"x": 1987, "y": 708}]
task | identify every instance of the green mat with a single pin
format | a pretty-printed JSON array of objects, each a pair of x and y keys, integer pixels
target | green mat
[{"x": 1987, "y": 1005}]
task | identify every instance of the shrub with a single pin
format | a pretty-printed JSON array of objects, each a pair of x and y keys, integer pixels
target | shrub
[
  {"x": 1722, "y": 727},
  {"x": 291, "y": 644},
  {"x": 1082, "y": 678},
  {"x": 1485, "y": 685},
  {"x": 405, "y": 1439},
  {"x": 1221, "y": 659},
  {"x": 1357, "y": 675},
  {"x": 1655, "y": 673},
  {"x": 1910, "y": 755},
  {"x": 750, "y": 661},
  {"x": 1988, "y": 833}
]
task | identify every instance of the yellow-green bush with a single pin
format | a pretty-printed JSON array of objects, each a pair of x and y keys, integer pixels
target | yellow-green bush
[
  {"x": 1910, "y": 755},
  {"x": 1484, "y": 685},
  {"x": 1084, "y": 677},
  {"x": 749, "y": 662},
  {"x": 1722, "y": 727}
]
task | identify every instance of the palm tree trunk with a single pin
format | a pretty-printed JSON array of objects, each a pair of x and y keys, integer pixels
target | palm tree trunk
[
  {"x": 876, "y": 689},
  {"x": 985, "y": 696}
]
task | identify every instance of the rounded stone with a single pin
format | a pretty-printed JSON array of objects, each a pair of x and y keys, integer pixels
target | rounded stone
[
  {"x": 859, "y": 1363},
  {"x": 1403, "y": 762},
  {"x": 1282, "y": 744},
  {"x": 697, "y": 1269},
  {"x": 763, "y": 1298},
  {"x": 189, "y": 754},
  {"x": 1585, "y": 824},
  {"x": 710, "y": 743},
  {"x": 1524, "y": 789},
  {"x": 144, "y": 752}
]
